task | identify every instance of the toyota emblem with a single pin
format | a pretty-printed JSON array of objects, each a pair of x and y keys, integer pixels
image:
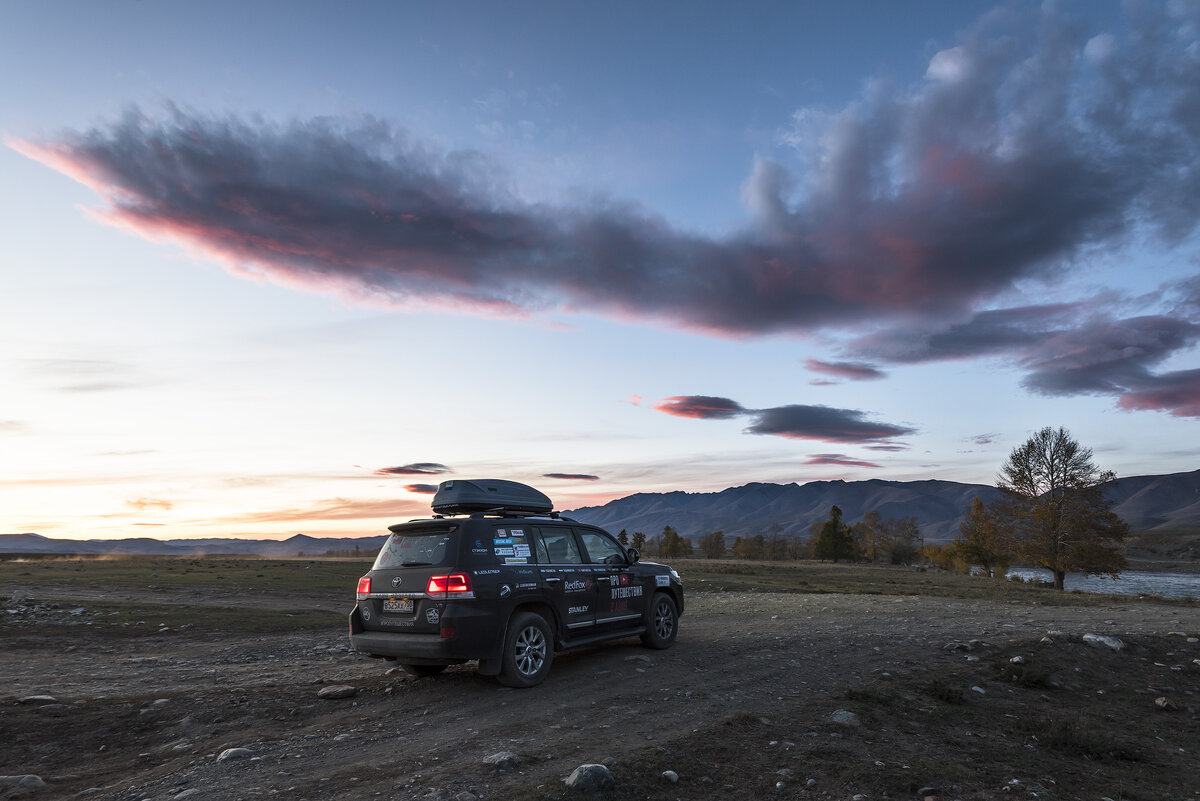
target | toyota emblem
[{"x": 396, "y": 581}]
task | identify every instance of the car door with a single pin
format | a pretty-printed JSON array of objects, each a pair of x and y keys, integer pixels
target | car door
[
  {"x": 567, "y": 584},
  {"x": 622, "y": 597}
]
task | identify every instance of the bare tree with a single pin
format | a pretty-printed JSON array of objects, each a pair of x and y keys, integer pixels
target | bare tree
[{"x": 1057, "y": 508}]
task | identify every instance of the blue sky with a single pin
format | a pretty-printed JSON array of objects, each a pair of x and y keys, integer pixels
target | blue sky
[{"x": 272, "y": 268}]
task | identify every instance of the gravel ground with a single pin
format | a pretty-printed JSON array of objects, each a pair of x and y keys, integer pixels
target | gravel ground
[{"x": 739, "y": 708}]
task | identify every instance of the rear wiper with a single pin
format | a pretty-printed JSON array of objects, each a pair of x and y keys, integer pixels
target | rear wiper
[{"x": 415, "y": 564}]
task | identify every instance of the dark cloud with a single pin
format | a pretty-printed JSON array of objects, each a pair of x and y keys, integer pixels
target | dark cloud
[
  {"x": 415, "y": 469},
  {"x": 823, "y": 423},
  {"x": 422, "y": 489},
  {"x": 838, "y": 459},
  {"x": 855, "y": 371},
  {"x": 572, "y": 476},
  {"x": 703, "y": 407},
  {"x": 1106, "y": 357},
  {"x": 983, "y": 439},
  {"x": 1177, "y": 393},
  {"x": 987, "y": 333},
  {"x": 1067, "y": 349},
  {"x": 1023, "y": 146}
]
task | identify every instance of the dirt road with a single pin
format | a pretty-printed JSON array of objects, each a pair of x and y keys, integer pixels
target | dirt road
[{"x": 738, "y": 708}]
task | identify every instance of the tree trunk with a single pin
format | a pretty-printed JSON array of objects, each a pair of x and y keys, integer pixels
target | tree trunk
[{"x": 1059, "y": 577}]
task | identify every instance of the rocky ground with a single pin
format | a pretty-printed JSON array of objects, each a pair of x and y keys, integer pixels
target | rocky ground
[{"x": 764, "y": 695}]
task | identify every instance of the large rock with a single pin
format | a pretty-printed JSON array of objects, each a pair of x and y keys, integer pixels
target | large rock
[
  {"x": 503, "y": 760},
  {"x": 591, "y": 777},
  {"x": 231, "y": 754},
  {"x": 844, "y": 717},
  {"x": 337, "y": 691},
  {"x": 20, "y": 786},
  {"x": 1100, "y": 641}
]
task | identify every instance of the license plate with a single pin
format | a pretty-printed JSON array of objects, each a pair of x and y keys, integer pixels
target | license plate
[{"x": 401, "y": 605}]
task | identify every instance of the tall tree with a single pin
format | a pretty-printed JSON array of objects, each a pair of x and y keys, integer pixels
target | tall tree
[
  {"x": 835, "y": 541},
  {"x": 638, "y": 541},
  {"x": 748, "y": 547},
  {"x": 623, "y": 537},
  {"x": 712, "y": 545},
  {"x": 1057, "y": 506},
  {"x": 984, "y": 540}
]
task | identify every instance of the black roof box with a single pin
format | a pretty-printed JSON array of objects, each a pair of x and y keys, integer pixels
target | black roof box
[{"x": 487, "y": 494}]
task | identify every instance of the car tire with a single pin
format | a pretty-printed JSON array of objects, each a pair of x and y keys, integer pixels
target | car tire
[
  {"x": 662, "y": 622},
  {"x": 528, "y": 651},
  {"x": 424, "y": 671}
]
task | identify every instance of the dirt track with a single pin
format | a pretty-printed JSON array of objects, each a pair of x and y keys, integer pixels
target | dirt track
[{"x": 751, "y": 675}]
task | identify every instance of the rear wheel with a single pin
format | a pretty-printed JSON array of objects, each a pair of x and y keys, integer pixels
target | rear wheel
[
  {"x": 424, "y": 671},
  {"x": 528, "y": 651},
  {"x": 662, "y": 623}
]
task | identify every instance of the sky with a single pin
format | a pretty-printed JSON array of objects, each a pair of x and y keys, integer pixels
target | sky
[{"x": 277, "y": 268}]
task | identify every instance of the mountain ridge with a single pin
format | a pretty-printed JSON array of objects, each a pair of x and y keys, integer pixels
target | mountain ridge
[{"x": 1148, "y": 503}]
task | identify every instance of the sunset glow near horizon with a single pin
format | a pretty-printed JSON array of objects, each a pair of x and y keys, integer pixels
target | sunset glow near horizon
[{"x": 273, "y": 269}]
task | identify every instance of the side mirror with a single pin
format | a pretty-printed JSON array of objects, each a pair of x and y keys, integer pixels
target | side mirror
[{"x": 633, "y": 554}]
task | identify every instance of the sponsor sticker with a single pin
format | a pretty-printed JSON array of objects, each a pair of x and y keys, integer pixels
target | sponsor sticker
[
  {"x": 365, "y": 612},
  {"x": 577, "y": 610},
  {"x": 487, "y": 572},
  {"x": 502, "y": 541},
  {"x": 575, "y": 586},
  {"x": 505, "y": 590},
  {"x": 633, "y": 591},
  {"x": 432, "y": 616},
  {"x": 505, "y": 552},
  {"x": 516, "y": 532},
  {"x": 514, "y": 560},
  {"x": 500, "y": 532},
  {"x": 662, "y": 581},
  {"x": 521, "y": 549}
]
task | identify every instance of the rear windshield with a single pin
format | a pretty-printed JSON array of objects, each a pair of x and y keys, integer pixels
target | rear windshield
[{"x": 417, "y": 549}]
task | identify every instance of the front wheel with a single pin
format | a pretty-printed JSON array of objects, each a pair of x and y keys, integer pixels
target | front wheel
[
  {"x": 663, "y": 622},
  {"x": 528, "y": 651}
]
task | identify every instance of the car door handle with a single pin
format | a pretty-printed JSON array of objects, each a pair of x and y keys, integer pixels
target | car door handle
[
  {"x": 604, "y": 578},
  {"x": 553, "y": 580}
]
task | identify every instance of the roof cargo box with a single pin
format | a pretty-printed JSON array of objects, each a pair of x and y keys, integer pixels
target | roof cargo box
[{"x": 485, "y": 494}]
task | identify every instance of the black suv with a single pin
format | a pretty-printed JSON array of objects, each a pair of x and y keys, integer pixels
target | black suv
[{"x": 496, "y": 576}]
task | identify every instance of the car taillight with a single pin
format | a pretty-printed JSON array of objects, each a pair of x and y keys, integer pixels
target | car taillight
[
  {"x": 444, "y": 585},
  {"x": 364, "y": 585}
]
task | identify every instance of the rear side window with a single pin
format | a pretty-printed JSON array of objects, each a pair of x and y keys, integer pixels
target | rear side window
[
  {"x": 556, "y": 546},
  {"x": 417, "y": 549}
]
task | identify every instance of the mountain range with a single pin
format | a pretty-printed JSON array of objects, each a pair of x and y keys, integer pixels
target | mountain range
[{"x": 1147, "y": 503}]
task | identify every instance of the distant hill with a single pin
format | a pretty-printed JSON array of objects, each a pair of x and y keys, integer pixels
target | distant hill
[
  {"x": 1147, "y": 503},
  {"x": 756, "y": 508},
  {"x": 292, "y": 546}
]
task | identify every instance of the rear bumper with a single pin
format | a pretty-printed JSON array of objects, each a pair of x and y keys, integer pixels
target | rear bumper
[
  {"x": 413, "y": 648},
  {"x": 474, "y": 638}
]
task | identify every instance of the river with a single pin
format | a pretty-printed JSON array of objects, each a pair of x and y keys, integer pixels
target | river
[{"x": 1131, "y": 582}]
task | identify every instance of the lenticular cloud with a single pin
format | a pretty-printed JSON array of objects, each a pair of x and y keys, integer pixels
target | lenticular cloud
[{"x": 1022, "y": 147}]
